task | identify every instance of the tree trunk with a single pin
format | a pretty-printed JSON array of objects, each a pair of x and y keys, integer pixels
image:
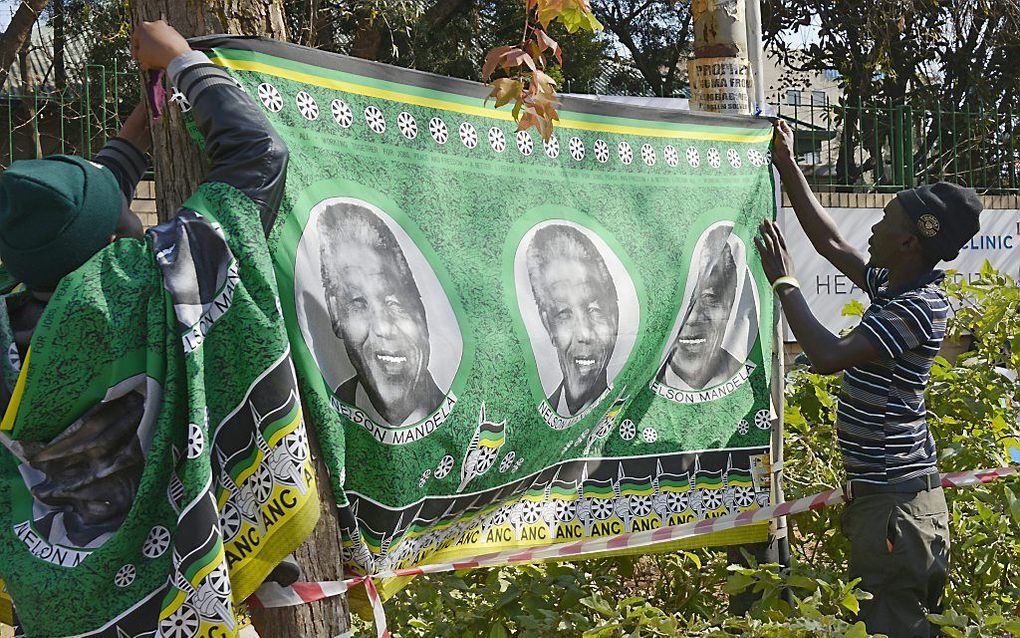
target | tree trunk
[
  {"x": 13, "y": 39},
  {"x": 178, "y": 165},
  {"x": 59, "y": 44},
  {"x": 179, "y": 169}
]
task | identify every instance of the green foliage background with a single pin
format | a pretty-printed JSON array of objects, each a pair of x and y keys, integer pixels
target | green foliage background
[{"x": 973, "y": 412}]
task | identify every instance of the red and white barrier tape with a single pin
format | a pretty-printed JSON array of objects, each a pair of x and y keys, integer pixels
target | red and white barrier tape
[{"x": 273, "y": 595}]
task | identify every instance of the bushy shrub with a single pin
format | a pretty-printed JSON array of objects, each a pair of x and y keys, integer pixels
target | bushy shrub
[{"x": 973, "y": 412}]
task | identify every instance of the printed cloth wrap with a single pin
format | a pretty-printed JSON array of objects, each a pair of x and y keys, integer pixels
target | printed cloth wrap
[{"x": 153, "y": 474}]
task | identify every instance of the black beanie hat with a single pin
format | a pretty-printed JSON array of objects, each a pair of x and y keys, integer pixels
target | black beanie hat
[{"x": 946, "y": 217}]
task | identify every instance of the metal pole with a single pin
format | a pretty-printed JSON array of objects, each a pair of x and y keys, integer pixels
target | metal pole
[{"x": 756, "y": 54}]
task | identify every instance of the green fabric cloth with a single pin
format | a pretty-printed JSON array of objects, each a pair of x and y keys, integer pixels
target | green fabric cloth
[
  {"x": 55, "y": 213},
  {"x": 158, "y": 422}
]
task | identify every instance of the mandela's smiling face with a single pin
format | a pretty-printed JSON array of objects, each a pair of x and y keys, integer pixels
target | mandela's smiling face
[
  {"x": 380, "y": 317},
  {"x": 698, "y": 355},
  {"x": 580, "y": 313}
]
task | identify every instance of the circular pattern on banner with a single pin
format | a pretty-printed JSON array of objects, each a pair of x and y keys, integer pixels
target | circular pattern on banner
[
  {"x": 342, "y": 113},
  {"x": 714, "y": 159},
  {"x": 628, "y": 430},
  {"x": 219, "y": 580},
  {"x": 262, "y": 483},
  {"x": 743, "y": 496},
  {"x": 762, "y": 420},
  {"x": 565, "y": 510},
  {"x": 677, "y": 501},
  {"x": 270, "y": 97},
  {"x": 438, "y": 130},
  {"x": 306, "y": 105},
  {"x": 576, "y": 149},
  {"x": 693, "y": 157},
  {"x": 755, "y": 157},
  {"x": 375, "y": 119},
  {"x": 552, "y": 147},
  {"x": 601, "y": 151},
  {"x": 468, "y": 135},
  {"x": 530, "y": 512},
  {"x": 230, "y": 521},
  {"x": 157, "y": 542},
  {"x": 649, "y": 435},
  {"x": 407, "y": 125},
  {"x": 712, "y": 500},
  {"x": 507, "y": 462},
  {"x": 444, "y": 467},
  {"x": 734, "y": 158},
  {"x": 525, "y": 144},
  {"x": 601, "y": 508},
  {"x": 125, "y": 576},
  {"x": 297, "y": 443},
  {"x": 625, "y": 152},
  {"x": 640, "y": 506},
  {"x": 182, "y": 623},
  {"x": 425, "y": 476},
  {"x": 648, "y": 154},
  {"x": 670, "y": 154},
  {"x": 196, "y": 441},
  {"x": 518, "y": 464},
  {"x": 497, "y": 139},
  {"x": 743, "y": 427}
]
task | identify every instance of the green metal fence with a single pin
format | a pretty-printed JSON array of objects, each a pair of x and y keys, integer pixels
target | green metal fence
[
  {"x": 77, "y": 120},
  {"x": 883, "y": 147}
]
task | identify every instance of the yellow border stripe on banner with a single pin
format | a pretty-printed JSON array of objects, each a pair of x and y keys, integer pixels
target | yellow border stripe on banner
[
  {"x": 19, "y": 389},
  {"x": 480, "y": 111}
]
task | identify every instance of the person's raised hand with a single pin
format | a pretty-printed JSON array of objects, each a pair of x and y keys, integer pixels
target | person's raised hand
[
  {"x": 782, "y": 144},
  {"x": 155, "y": 44},
  {"x": 775, "y": 259}
]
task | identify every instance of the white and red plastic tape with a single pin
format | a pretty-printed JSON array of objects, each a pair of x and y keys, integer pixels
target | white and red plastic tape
[{"x": 273, "y": 595}]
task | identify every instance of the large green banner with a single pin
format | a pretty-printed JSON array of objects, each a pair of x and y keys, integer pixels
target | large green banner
[{"x": 509, "y": 342}]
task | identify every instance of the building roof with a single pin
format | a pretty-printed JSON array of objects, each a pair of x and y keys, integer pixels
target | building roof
[{"x": 40, "y": 76}]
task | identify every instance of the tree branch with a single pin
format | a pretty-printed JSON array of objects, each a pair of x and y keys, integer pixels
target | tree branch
[{"x": 13, "y": 39}]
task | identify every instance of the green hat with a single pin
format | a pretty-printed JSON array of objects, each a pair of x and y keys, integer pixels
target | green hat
[{"x": 55, "y": 214}]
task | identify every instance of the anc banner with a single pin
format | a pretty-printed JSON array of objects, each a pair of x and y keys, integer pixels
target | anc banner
[{"x": 509, "y": 342}]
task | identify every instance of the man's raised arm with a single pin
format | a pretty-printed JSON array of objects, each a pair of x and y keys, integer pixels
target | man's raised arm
[
  {"x": 815, "y": 220},
  {"x": 243, "y": 148}
]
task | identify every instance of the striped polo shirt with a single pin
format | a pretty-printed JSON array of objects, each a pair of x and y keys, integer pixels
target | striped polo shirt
[{"x": 880, "y": 420}]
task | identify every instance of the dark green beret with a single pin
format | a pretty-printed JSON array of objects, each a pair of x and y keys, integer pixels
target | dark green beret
[
  {"x": 55, "y": 214},
  {"x": 946, "y": 217}
]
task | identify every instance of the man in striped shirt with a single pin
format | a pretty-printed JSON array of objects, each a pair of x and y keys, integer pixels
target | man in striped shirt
[{"x": 896, "y": 520}]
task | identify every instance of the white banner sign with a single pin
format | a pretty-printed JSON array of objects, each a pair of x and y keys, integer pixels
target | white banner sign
[{"x": 827, "y": 290}]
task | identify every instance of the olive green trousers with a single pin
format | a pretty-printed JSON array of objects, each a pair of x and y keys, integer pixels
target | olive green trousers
[{"x": 899, "y": 548}]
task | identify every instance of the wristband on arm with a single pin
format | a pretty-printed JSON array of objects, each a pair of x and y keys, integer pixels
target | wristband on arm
[{"x": 785, "y": 280}]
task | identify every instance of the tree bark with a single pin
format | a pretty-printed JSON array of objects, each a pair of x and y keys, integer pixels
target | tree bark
[
  {"x": 13, "y": 39},
  {"x": 59, "y": 44},
  {"x": 177, "y": 163},
  {"x": 179, "y": 169}
]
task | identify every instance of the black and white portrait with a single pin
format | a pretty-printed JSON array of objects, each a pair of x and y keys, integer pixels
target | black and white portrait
[
  {"x": 374, "y": 314},
  {"x": 718, "y": 320},
  {"x": 581, "y": 311}
]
